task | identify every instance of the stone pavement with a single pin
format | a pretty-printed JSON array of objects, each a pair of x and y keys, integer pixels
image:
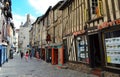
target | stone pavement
[{"x": 33, "y": 68}]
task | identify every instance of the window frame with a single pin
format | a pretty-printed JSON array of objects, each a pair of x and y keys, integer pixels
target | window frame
[
  {"x": 110, "y": 65},
  {"x": 85, "y": 46}
]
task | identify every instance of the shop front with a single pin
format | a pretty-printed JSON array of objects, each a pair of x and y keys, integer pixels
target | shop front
[
  {"x": 65, "y": 49},
  {"x": 54, "y": 56},
  {"x": 82, "y": 48},
  {"x": 104, "y": 47},
  {"x": 48, "y": 51},
  {"x": 3, "y": 54},
  {"x": 57, "y": 54},
  {"x": 94, "y": 48},
  {"x": 110, "y": 40},
  {"x": 43, "y": 53}
]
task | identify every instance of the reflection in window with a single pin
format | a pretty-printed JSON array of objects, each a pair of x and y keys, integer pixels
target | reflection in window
[{"x": 82, "y": 49}]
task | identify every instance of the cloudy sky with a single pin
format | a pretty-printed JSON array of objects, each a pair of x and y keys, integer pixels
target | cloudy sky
[{"x": 20, "y": 8}]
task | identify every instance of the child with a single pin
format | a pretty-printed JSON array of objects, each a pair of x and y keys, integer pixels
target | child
[{"x": 26, "y": 56}]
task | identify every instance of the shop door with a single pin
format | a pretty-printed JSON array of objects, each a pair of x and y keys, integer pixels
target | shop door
[
  {"x": 94, "y": 51},
  {"x": 43, "y": 54},
  {"x": 56, "y": 56},
  {"x": 65, "y": 50},
  {"x": 49, "y": 55}
]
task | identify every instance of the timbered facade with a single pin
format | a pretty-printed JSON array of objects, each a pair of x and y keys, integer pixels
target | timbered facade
[
  {"x": 83, "y": 26},
  {"x": 84, "y": 29}
]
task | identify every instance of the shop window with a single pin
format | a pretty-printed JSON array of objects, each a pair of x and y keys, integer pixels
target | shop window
[
  {"x": 112, "y": 48},
  {"x": 82, "y": 49}
]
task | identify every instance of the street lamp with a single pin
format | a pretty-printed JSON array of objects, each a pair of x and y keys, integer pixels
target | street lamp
[{"x": 79, "y": 39}]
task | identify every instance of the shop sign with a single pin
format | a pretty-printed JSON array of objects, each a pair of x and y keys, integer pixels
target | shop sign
[
  {"x": 107, "y": 24},
  {"x": 79, "y": 32}
]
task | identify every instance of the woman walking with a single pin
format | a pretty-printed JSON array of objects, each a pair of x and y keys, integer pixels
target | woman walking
[{"x": 26, "y": 56}]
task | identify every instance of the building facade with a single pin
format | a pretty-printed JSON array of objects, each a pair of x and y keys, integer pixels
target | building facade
[
  {"x": 6, "y": 30},
  {"x": 24, "y": 35},
  {"x": 88, "y": 33},
  {"x": 88, "y": 30}
]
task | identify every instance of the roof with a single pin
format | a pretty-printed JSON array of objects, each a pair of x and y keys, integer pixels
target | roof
[
  {"x": 49, "y": 8},
  {"x": 65, "y": 4},
  {"x": 36, "y": 20},
  {"x": 46, "y": 13},
  {"x": 57, "y": 5}
]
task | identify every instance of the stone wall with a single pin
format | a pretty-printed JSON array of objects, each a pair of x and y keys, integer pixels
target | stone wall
[
  {"x": 86, "y": 69},
  {"x": 110, "y": 74},
  {"x": 78, "y": 67}
]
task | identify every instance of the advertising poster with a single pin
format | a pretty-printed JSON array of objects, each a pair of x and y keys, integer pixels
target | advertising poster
[{"x": 112, "y": 46}]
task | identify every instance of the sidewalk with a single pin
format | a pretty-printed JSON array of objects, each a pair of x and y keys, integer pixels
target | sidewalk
[{"x": 33, "y": 68}]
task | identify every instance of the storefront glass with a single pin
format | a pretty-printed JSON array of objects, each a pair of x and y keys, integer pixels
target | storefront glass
[
  {"x": 82, "y": 49},
  {"x": 112, "y": 48}
]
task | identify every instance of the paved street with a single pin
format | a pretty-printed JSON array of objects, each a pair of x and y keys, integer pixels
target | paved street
[{"x": 33, "y": 68}]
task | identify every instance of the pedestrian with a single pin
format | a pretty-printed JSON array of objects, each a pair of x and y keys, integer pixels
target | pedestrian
[
  {"x": 11, "y": 54},
  {"x": 30, "y": 55},
  {"x": 21, "y": 54},
  {"x": 37, "y": 55},
  {"x": 26, "y": 56}
]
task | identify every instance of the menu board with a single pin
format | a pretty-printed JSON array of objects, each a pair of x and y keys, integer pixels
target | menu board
[{"x": 113, "y": 50}]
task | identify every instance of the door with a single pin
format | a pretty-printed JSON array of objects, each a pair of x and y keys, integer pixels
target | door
[
  {"x": 94, "y": 51},
  {"x": 56, "y": 56},
  {"x": 65, "y": 50},
  {"x": 49, "y": 55}
]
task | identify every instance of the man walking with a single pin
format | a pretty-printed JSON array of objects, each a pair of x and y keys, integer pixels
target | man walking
[{"x": 21, "y": 54}]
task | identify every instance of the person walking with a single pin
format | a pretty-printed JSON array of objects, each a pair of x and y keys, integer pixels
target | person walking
[
  {"x": 37, "y": 56},
  {"x": 21, "y": 54},
  {"x": 26, "y": 56},
  {"x": 30, "y": 55}
]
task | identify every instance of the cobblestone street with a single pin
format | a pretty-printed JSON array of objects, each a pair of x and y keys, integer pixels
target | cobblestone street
[{"x": 33, "y": 68}]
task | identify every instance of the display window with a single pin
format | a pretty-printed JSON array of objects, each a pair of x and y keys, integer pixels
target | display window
[
  {"x": 82, "y": 49},
  {"x": 112, "y": 48}
]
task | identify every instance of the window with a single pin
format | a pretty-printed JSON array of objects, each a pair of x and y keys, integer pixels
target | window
[
  {"x": 112, "y": 48},
  {"x": 82, "y": 49},
  {"x": 94, "y": 5}
]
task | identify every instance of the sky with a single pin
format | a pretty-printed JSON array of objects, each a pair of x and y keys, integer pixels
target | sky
[{"x": 36, "y": 8}]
